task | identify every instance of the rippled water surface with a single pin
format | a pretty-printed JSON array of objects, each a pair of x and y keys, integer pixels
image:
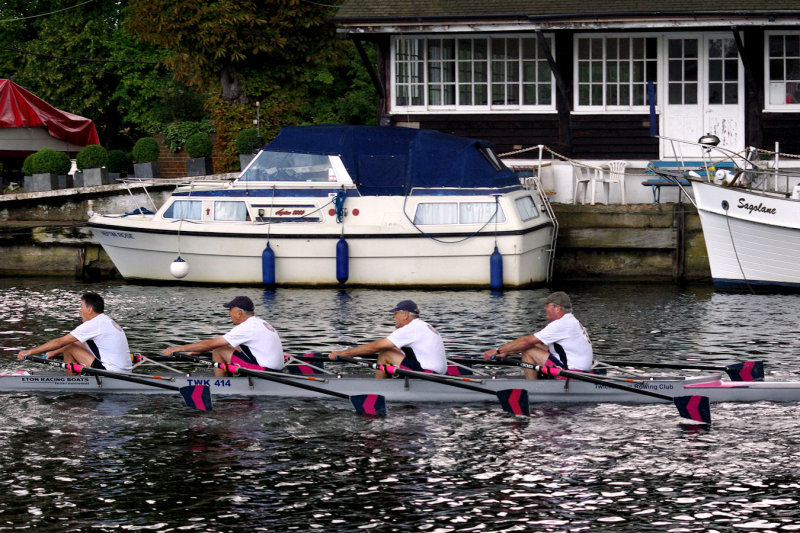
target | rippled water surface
[{"x": 78, "y": 462}]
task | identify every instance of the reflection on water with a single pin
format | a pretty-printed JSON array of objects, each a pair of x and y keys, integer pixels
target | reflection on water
[{"x": 110, "y": 463}]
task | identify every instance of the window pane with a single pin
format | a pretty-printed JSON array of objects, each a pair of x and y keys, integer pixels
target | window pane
[
  {"x": 230, "y": 210},
  {"x": 481, "y": 213},
  {"x": 526, "y": 208},
  {"x": 185, "y": 209},
  {"x": 436, "y": 213}
]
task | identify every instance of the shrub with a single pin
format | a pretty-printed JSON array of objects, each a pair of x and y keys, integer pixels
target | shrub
[
  {"x": 177, "y": 134},
  {"x": 145, "y": 150},
  {"x": 247, "y": 141},
  {"x": 119, "y": 162},
  {"x": 49, "y": 161},
  {"x": 92, "y": 156},
  {"x": 27, "y": 166},
  {"x": 199, "y": 145}
]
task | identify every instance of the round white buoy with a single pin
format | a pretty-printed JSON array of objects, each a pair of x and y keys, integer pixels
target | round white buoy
[{"x": 179, "y": 268}]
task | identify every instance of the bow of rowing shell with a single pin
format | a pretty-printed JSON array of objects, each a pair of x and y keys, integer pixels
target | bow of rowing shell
[{"x": 413, "y": 390}]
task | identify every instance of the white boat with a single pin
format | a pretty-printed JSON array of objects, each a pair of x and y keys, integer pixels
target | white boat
[
  {"x": 750, "y": 215},
  {"x": 416, "y": 390},
  {"x": 372, "y": 206}
]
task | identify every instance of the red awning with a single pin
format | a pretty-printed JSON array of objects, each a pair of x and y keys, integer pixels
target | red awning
[{"x": 21, "y": 109}]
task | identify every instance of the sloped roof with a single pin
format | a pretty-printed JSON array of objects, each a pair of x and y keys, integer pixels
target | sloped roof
[
  {"x": 22, "y": 109},
  {"x": 384, "y": 10}
]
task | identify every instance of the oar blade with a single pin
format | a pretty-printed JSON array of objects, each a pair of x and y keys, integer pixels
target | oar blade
[
  {"x": 695, "y": 408},
  {"x": 369, "y": 404},
  {"x": 747, "y": 371},
  {"x": 514, "y": 401},
  {"x": 197, "y": 397}
]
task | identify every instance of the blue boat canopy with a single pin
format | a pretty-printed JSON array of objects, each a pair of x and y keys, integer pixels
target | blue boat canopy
[{"x": 390, "y": 160}]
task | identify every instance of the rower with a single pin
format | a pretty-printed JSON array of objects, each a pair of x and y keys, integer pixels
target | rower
[
  {"x": 99, "y": 342},
  {"x": 563, "y": 343},
  {"x": 252, "y": 343},
  {"x": 414, "y": 344}
]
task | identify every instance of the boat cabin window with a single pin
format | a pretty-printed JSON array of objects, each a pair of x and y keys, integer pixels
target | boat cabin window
[
  {"x": 230, "y": 211},
  {"x": 527, "y": 208},
  {"x": 185, "y": 209},
  {"x": 492, "y": 158},
  {"x": 458, "y": 213},
  {"x": 285, "y": 166}
]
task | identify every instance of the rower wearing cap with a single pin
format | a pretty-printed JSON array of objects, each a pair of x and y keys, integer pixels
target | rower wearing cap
[
  {"x": 252, "y": 343},
  {"x": 99, "y": 342},
  {"x": 414, "y": 344},
  {"x": 564, "y": 342}
]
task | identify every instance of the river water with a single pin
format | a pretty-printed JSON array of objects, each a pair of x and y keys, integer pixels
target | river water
[{"x": 114, "y": 463}]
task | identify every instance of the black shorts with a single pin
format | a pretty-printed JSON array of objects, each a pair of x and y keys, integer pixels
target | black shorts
[
  {"x": 410, "y": 360},
  {"x": 96, "y": 363}
]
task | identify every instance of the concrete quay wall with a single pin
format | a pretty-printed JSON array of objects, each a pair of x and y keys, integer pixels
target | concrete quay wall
[{"x": 44, "y": 234}]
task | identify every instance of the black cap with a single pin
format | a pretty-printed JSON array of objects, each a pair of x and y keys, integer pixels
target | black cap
[
  {"x": 242, "y": 302},
  {"x": 406, "y": 305}
]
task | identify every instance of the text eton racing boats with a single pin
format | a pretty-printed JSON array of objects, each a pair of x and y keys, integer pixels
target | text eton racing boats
[{"x": 321, "y": 205}]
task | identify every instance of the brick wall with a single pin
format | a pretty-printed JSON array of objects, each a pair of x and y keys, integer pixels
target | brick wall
[{"x": 173, "y": 164}]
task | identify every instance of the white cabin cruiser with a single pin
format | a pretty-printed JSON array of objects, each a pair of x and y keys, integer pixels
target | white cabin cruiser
[{"x": 325, "y": 205}]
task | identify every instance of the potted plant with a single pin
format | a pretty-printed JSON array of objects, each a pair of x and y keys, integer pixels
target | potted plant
[
  {"x": 92, "y": 160},
  {"x": 119, "y": 165},
  {"x": 198, "y": 148},
  {"x": 247, "y": 144},
  {"x": 46, "y": 167},
  {"x": 145, "y": 155}
]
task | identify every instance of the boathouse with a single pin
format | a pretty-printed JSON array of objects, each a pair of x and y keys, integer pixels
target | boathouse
[{"x": 594, "y": 81}]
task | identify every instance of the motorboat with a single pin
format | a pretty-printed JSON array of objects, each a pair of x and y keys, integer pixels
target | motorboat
[
  {"x": 749, "y": 210},
  {"x": 332, "y": 204}
]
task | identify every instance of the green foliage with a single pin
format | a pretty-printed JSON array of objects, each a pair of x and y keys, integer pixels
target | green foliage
[
  {"x": 218, "y": 44},
  {"x": 119, "y": 162},
  {"x": 145, "y": 150},
  {"x": 49, "y": 161},
  {"x": 27, "y": 166},
  {"x": 199, "y": 145},
  {"x": 92, "y": 156},
  {"x": 177, "y": 133},
  {"x": 247, "y": 141}
]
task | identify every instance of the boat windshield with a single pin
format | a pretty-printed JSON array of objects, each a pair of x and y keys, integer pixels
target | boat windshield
[{"x": 286, "y": 166}]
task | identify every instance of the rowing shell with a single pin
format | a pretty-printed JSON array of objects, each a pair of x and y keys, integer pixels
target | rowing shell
[{"x": 414, "y": 391}]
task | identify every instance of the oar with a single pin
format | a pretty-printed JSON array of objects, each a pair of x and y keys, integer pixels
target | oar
[
  {"x": 747, "y": 371},
  {"x": 364, "y": 404},
  {"x": 692, "y": 407},
  {"x": 512, "y": 400},
  {"x": 195, "y": 396}
]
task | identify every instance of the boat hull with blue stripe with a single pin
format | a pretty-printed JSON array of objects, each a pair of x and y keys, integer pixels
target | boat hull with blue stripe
[{"x": 326, "y": 205}]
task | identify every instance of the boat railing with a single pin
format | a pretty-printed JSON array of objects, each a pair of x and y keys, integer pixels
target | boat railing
[
  {"x": 190, "y": 181},
  {"x": 752, "y": 168}
]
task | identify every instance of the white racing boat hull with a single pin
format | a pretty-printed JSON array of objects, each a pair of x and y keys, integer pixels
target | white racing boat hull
[{"x": 416, "y": 391}]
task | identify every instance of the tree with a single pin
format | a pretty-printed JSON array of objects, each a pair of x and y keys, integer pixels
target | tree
[{"x": 248, "y": 49}]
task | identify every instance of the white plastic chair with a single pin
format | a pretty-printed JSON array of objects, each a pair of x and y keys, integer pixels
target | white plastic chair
[
  {"x": 616, "y": 175},
  {"x": 582, "y": 176}
]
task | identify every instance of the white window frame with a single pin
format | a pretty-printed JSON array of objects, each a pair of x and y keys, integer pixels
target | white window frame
[
  {"x": 619, "y": 109},
  {"x": 426, "y": 69},
  {"x": 768, "y": 105}
]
